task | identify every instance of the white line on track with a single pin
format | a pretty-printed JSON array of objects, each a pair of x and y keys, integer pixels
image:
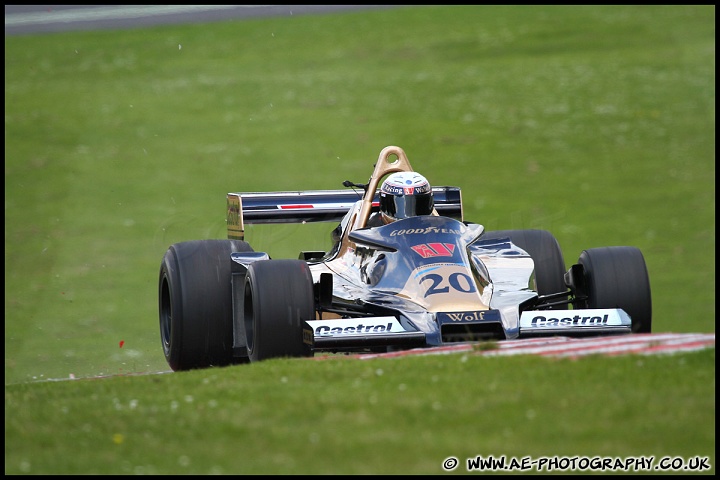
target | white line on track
[{"x": 109, "y": 13}]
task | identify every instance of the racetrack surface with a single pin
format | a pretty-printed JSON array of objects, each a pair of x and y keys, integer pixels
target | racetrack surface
[
  {"x": 34, "y": 19},
  {"x": 642, "y": 344},
  {"x": 558, "y": 347}
]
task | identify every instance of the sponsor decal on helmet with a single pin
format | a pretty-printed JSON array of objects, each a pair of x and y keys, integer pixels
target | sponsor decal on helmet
[
  {"x": 405, "y": 190},
  {"x": 406, "y": 183}
]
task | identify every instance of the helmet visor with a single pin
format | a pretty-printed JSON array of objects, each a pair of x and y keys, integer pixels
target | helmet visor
[{"x": 405, "y": 206}]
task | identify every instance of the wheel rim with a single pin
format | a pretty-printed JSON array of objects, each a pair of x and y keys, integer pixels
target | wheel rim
[
  {"x": 249, "y": 319},
  {"x": 165, "y": 317}
]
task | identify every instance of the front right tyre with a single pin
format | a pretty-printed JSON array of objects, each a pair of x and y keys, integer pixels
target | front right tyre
[
  {"x": 195, "y": 303},
  {"x": 278, "y": 299}
]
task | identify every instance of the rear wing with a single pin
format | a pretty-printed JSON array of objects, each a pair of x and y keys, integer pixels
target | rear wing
[{"x": 314, "y": 206}]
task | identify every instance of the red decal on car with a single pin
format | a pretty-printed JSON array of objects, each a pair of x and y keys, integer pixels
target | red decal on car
[{"x": 436, "y": 249}]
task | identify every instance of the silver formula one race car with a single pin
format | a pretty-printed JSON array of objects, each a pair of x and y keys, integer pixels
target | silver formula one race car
[{"x": 420, "y": 281}]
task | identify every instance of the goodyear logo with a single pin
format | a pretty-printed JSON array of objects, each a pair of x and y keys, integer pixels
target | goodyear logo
[{"x": 424, "y": 231}]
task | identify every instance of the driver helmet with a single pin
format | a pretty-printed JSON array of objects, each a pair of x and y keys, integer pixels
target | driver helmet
[{"x": 405, "y": 194}]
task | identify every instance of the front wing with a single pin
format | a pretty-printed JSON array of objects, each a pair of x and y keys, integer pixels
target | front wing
[{"x": 455, "y": 327}]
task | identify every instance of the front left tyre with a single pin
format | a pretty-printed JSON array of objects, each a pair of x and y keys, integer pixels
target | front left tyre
[
  {"x": 617, "y": 277},
  {"x": 195, "y": 303}
]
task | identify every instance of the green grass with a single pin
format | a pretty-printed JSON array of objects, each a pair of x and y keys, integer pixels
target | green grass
[
  {"x": 595, "y": 122},
  {"x": 339, "y": 416}
]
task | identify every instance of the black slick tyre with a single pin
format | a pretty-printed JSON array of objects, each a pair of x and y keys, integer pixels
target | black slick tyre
[
  {"x": 617, "y": 277},
  {"x": 195, "y": 303},
  {"x": 278, "y": 299}
]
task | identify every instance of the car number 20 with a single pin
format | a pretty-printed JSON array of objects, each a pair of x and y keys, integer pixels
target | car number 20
[{"x": 458, "y": 281}]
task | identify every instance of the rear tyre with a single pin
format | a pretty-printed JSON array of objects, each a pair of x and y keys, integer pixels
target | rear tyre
[
  {"x": 546, "y": 254},
  {"x": 617, "y": 277},
  {"x": 195, "y": 303},
  {"x": 278, "y": 299}
]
